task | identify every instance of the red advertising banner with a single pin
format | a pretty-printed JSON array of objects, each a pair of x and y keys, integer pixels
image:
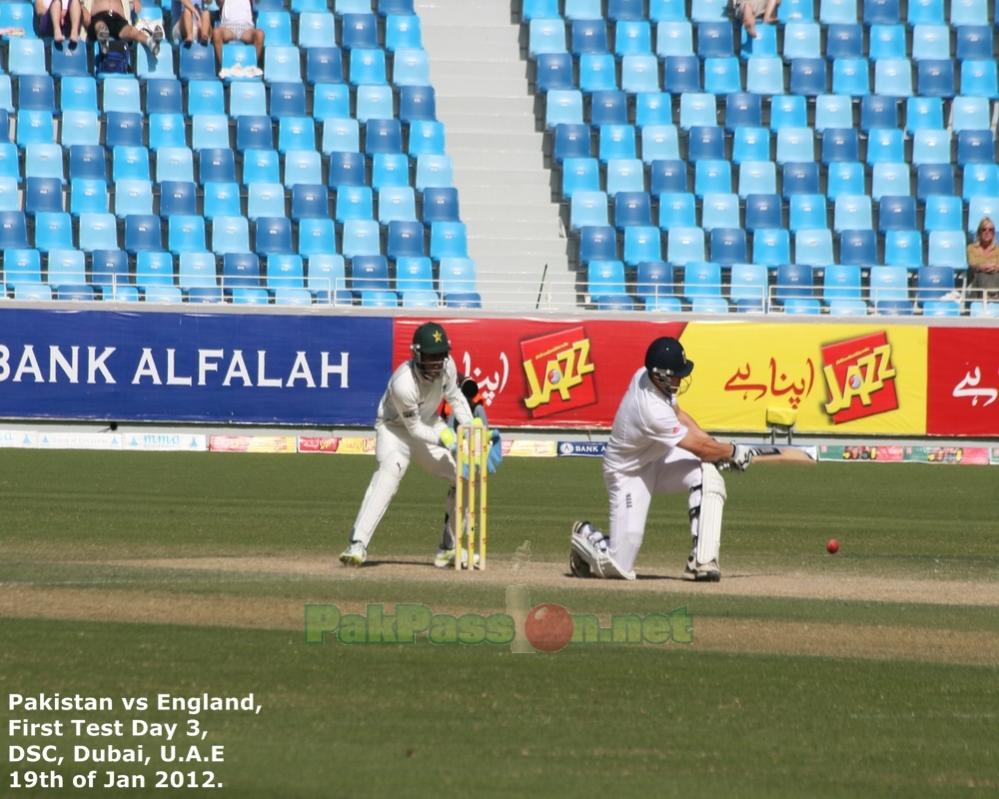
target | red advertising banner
[
  {"x": 547, "y": 373},
  {"x": 963, "y": 381}
]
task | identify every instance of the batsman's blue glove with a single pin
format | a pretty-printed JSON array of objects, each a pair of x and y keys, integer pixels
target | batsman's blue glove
[{"x": 495, "y": 456}]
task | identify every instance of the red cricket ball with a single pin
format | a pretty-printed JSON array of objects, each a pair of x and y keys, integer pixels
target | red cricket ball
[
  {"x": 832, "y": 546},
  {"x": 548, "y": 627}
]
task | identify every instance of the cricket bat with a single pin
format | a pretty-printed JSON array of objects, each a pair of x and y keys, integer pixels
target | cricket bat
[{"x": 785, "y": 455}]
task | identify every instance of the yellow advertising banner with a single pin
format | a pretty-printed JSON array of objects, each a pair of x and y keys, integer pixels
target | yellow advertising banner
[{"x": 835, "y": 378}]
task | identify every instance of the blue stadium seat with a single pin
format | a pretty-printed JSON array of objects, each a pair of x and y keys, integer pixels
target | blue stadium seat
[
  {"x": 833, "y": 111},
  {"x": 53, "y": 231},
  {"x": 417, "y": 102},
  {"x": 316, "y": 236},
  {"x": 930, "y": 41},
  {"x": 414, "y": 273},
  {"x": 545, "y": 35},
  {"x": 353, "y": 202},
  {"x": 178, "y": 197},
  {"x": 764, "y": 44},
  {"x": 623, "y": 10},
  {"x": 582, "y": 9},
  {"x": 975, "y": 147},
  {"x": 666, "y": 10},
  {"x": 654, "y": 282},
  {"x": 707, "y": 10},
  {"x": 597, "y": 71},
  {"x": 40, "y": 195},
  {"x": 205, "y": 97},
  {"x": 276, "y": 26},
  {"x": 808, "y": 77},
  {"x": 239, "y": 271},
  {"x": 34, "y": 127},
  {"x": 886, "y": 41},
  {"x": 947, "y": 248},
  {"x": 878, "y": 112},
  {"x": 174, "y": 163},
  {"x": 674, "y": 38},
  {"x": 197, "y": 62},
  {"x": 296, "y": 133},
  {"x": 728, "y": 246},
  {"x": 640, "y": 73},
  {"x": 330, "y": 101},
  {"x": 750, "y": 144},
  {"x": 853, "y": 212},
  {"x": 980, "y": 180},
  {"x": 837, "y": 12},
  {"x": 934, "y": 78},
  {"x": 21, "y": 265},
  {"x": 425, "y": 137},
  {"x": 365, "y": 66},
  {"x": 186, "y": 233},
  {"x": 973, "y": 42},
  {"x": 207, "y": 131},
  {"x": 346, "y": 169},
  {"x": 970, "y": 113},
  {"x": 932, "y": 179},
  {"x": 807, "y": 212},
  {"x": 142, "y": 232},
  {"x": 410, "y": 67},
  {"x": 743, "y": 110},
  {"x": 109, "y": 268},
  {"x": 840, "y": 144},
  {"x": 706, "y": 142},
  {"x": 369, "y": 273},
  {"x": 885, "y": 145},
  {"x": 66, "y": 268},
  {"x": 667, "y": 175},
  {"x": 896, "y": 213},
  {"x": 890, "y": 178},
  {"x": 795, "y": 145},
  {"x": 254, "y": 133},
  {"x": 714, "y": 39},
  {"x": 77, "y": 94},
  {"x": 457, "y": 276},
  {"x": 979, "y": 207},
  {"x": 712, "y": 177},
  {"x": 697, "y": 108},
  {"x": 931, "y": 147},
  {"x": 682, "y": 74},
  {"x": 904, "y": 248},
  {"x": 26, "y": 56},
  {"x": 66, "y": 62},
  {"x": 979, "y": 78},
  {"x": 121, "y": 129},
  {"x": 632, "y": 37},
  {"x": 154, "y": 268},
  {"x": 923, "y": 112},
  {"x": 402, "y": 30},
  {"x": 389, "y": 169},
  {"x": 88, "y": 195},
  {"x": 851, "y": 76},
  {"x": 606, "y": 286},
  {"x": 98, "y": 231},
  {"x": 701, "y": 279},
  {"x": 748, "y": 286},
  {"x": 677, "y": 209},
  {"x": 230, "y": 234},
  {"x": 405, "y": 238},
  {"x": 968, "y": 12},
  {"x": 893, "y": 76},
  {"x": 684, "y": 245},
  {"x": 360, "y": 237},
  {"x": 169, "y": 130},
  {"x": 272, "y": 235},
  {"x": 757, "y": 178},
  {"x": 858, "y": 247},
  {"x": 340, "y": 135},
  {"x": 433, "y": 171},
  {"x": 813, "y": 247},
  {"x": 889, "y": 283},
  {"x": 36, "y": 93},
  {"x": 553, "y": 71},
  {"x": 642, "y": 243},
  {"x": 763, "y": 211},
  {"x": 720, "y": 210},
  {"x": 793, "y": 282},
  {"x": 841, "y": 282},
  {"x": 324, "y": 65},
  {"x": 216, "y": 166},
  {"x": 586, "y": 36},
  {"x": 448, "y": 240},
  {"x": 660, "y": 142},
  {"x": 623, "y": 175},
  {"x": 943, "y": 212},
  {"x": 632, "y": 208},
  {"x": 197, "y": 269},
  {"x": 844, "y": 177},
  {"x": 309, "y": 201},
  {"x": 764, "y": 75},
  {"x": 771, "y": 247},
  {"x": 133, "y": 197},
  {"x": 249, "y": 98},
  {"x": 843, "y": 40},
  {"x": 597, "y": 242},
  {"x": 800, "y": 178}
]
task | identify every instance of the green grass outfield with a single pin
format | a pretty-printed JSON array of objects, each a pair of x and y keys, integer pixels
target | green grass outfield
[{"x": 869, "y": 673}]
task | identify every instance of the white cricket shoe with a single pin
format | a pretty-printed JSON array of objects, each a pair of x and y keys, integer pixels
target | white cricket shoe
[
  {"x": 701, "y": 572},
  {"x": 444, "y": 558},
  {"x": 354, "y": 555}
]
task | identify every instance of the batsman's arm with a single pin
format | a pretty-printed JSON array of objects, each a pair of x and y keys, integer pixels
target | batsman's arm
[{"x": 702, "y": 444}]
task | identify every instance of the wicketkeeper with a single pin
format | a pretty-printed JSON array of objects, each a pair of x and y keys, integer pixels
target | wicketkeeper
[
  {"x": 407, "y": 428},
  {"x": 657, "y": 448}
]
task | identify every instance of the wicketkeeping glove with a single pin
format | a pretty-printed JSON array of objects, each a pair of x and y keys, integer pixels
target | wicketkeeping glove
[
  {"x": 495, "y": 456},
  {"x": 740, "y": 460},
  {"x": 448, "y": 439}
]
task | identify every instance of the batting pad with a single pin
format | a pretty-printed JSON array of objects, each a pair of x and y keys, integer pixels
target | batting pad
[{"x": 710, "y": 516}]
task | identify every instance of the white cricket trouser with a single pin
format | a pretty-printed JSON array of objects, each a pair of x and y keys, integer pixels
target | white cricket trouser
[
  {"x": 394, "y": 448},
  {"x": 630, "y": 497}
]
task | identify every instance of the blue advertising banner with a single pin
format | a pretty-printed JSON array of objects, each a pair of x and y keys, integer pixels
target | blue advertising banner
[{"x": 226, "y": 368}]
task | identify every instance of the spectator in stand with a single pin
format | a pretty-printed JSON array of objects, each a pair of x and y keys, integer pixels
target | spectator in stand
[
  {"x": 191, "y": 21},
  {"x": 236, "y": 24},
  {"x": 60, "y": 20},
  {"x": 109, "y": 19},
  {"x": 983, "y": 261},
  {"x": 749, "y": 10}
]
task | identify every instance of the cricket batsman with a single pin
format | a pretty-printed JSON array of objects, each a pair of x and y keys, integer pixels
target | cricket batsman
[
  {"x": 657, "y": 448},
  {"x": 407, "y": 428}
]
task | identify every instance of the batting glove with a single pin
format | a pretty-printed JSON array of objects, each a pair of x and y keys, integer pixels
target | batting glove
[{"x": 742, "y": 456}]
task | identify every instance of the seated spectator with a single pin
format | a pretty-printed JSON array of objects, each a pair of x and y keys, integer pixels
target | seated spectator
[
  {"x": 108, "y": 19},
  {"x": 983, "y": 261},
  {"x": 236, "y": 24},
  {"x": 191, "y": 22},
  {"x": 749, "y": 10},
  {"x": 60, "y": 20}
]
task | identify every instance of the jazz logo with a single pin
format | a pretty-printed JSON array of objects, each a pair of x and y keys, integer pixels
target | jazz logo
[
  {"x": 559, "y": 372},
  {"x": 860, "y": 378}
]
